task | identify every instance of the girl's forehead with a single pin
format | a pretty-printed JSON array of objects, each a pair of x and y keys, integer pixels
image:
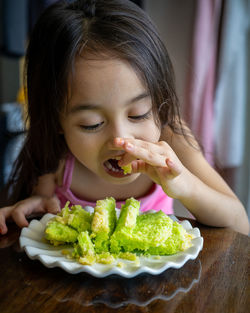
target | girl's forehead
[
  {"x": 104, "y": 81},
  {"x": 94, "y": 70},
  {"x": 97, "y": 63}
]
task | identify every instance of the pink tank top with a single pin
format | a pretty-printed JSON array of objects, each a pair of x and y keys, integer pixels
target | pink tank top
[{"x": 155, "y": 199}]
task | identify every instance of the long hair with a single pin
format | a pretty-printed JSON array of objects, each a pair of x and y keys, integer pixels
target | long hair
[{"x": 68, "y": 29}]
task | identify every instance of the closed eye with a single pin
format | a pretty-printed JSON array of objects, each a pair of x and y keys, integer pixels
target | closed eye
[
  {"x": 91, "y": 127},
  {"x": 141, "y": 117}
]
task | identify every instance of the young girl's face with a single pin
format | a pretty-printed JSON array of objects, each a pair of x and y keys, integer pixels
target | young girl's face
[{"x": 108, "y": 100}]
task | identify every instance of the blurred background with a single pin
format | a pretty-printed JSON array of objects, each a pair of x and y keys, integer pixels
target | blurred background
[{"x": 208, "y": 42}]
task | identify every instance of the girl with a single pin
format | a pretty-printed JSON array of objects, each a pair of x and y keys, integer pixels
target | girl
[{"x": 101, "y": 95}]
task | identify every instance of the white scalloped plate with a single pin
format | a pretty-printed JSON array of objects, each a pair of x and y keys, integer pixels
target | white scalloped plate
[{"x": 32, "y": 241}]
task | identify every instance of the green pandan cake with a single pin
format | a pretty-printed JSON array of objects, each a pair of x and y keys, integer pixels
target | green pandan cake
[
  {"x": 58, "y": 233},
  {"x": 149, "y": 234},
  {"x": 84, "y": 245},
  {"x": 76, "y": 217},
  {"x": 100, "y": 237},
  {"x": 178, "y": 240},
  {"x": 103, "y": 224},
  {"x": 125, "y": 225},
  {"x": 66, "y": 226}
]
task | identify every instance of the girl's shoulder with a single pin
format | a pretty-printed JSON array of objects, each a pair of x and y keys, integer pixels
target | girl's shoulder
[{"x": 47, "y": 183}]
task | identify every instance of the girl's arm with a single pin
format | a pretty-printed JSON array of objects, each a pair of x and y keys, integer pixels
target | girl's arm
[
  {"x": 184, "y": 174},
  {"x": 42, "y": 200},
  {"x": 209, "y": 198}
]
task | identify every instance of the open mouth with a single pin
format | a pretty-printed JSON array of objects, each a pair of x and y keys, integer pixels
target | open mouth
[{"x": 112, "y": 168}]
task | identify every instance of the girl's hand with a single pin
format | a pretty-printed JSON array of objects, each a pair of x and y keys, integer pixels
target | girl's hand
[
  {"x": 34, "y": 204},
  {"x": 159, "y": 162}
]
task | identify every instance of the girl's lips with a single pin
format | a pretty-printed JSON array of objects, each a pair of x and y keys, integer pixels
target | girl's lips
[{"x": 113, "y": 169}]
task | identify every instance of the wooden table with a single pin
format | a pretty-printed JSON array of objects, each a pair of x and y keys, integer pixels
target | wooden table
[{"x": 217, "y": 281}]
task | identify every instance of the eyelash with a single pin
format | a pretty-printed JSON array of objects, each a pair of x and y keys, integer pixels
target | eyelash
[
  {"x": 141, "y": 117},
  {"x": 92, "y": 127},
  {"x": 135, "y": 118}
]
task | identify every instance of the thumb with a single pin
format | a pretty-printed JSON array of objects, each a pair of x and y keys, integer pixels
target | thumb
[{"x": 53, "y": 205}]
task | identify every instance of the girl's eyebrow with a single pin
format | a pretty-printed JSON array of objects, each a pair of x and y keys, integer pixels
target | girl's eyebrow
[
  {"x": 91, "y": 106},
  {"x": 138, "y": 98}
]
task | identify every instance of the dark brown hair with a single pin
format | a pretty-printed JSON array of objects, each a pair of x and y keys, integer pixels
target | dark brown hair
[{"x": 65, "y": 30}]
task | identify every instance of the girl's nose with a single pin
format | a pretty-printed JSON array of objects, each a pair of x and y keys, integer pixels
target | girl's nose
[{"x": 118, "y": 130}]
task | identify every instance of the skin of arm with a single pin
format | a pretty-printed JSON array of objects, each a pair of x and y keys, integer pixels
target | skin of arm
[
  {"x": 221, "y": 207},
  {"x": 184, "y": 174},
  {"x": 42, "y": 200}
]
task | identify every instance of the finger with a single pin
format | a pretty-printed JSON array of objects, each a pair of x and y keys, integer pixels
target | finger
[
  {"x": 170, "y": 171},
  {"x": 174, "y": 168},
  {"x": 148, "y": 153},
  {"x": 160, "y": 147},
  {"x": 126, "y": 143},
  {"x": 19, "y": 218},
  {"x": 126, "y": 159},
  {"x": 5, "y": 213},
  {"x": 152, "y": 153},
  {"x": 53, "y": 205},
  {"x": 118, "y": 142},
  {"x": 140, "y": 166},
  {"x": 27, "y": 207}
]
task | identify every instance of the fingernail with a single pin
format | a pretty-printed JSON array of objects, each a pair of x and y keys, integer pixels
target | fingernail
[
  {"x": 119, "y": 140},
  {"x": 129, "y": 146},
  {"x": 170, "y": 162}
]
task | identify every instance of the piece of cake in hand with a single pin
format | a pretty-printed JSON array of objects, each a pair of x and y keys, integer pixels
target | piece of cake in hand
[
  {"x": 103, "y": 224},
  {"x": 127, "y": 169}
]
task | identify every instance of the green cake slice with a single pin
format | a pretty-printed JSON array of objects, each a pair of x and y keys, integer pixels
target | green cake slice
[
  {"x": 179, "y": 240},
  {"x": 84, "y": 246},
  {"x": 79, "y": 218},
  {"x": 151, "y": 233},
  {"x": 58, "y": 233},
  {"x": 103, "y": 224},
  {"x": 128, "y": 214},
  {"x": 125, "y": 225},
  {"x": 75, "y": 217}
]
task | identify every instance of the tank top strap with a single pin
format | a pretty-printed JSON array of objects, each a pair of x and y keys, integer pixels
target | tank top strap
[{"x": 68, "y": 171}]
